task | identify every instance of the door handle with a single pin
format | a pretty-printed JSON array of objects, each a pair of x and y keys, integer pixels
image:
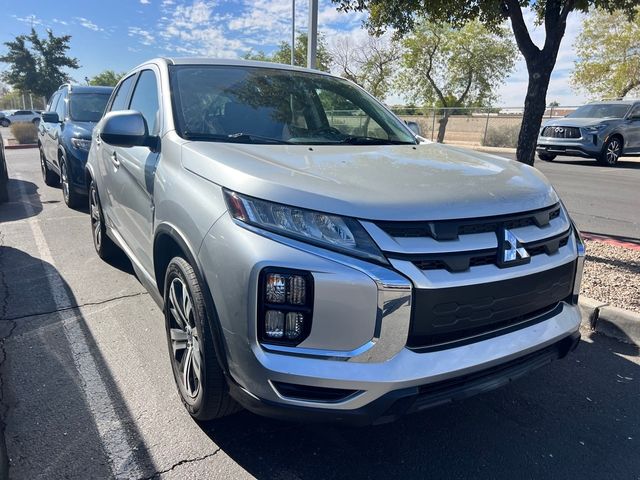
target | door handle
[{"x": 114, "y": 159}]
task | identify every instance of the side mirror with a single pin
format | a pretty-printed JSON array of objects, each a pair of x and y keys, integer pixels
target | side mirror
[
  {"x": 50, "y": 117},
  {"x": 127, "y": 128},
  {"x": 414, "y": 127}
]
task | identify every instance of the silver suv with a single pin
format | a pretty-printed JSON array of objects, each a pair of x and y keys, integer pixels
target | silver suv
[
  {"x": 313, "y": 264},
  {"x": 604, "y": 130}
]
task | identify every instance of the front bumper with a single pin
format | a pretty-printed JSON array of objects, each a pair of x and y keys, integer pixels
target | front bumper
[
  {"x": 358, "y": 339},
  {"x": 587, "y": 146}
]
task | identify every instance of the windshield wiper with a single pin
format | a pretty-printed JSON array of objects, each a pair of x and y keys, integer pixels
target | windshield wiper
[
  {"x": 234, "y": 137},
  {"x": 357, "y": 140}
]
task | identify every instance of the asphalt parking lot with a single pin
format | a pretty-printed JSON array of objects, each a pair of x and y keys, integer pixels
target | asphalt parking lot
[{"x": 87, "y": 389}]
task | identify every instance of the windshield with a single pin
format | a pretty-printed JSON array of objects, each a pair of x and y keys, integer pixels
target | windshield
[
  {"x": 87, "y": 107},
  {"x": 266, "y": 105},
  {"x": 601, "y": 110}
]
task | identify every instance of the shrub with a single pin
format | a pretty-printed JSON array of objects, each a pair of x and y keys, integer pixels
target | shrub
[
  {"x": 24, "y": 132},
  {"x": 506, "y": 136}
]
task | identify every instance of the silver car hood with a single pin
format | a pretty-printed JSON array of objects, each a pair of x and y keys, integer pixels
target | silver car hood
[{"x": 396, "y": 182}]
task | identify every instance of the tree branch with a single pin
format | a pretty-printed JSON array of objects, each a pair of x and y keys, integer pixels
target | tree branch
[{"x": 523, "y": 39}]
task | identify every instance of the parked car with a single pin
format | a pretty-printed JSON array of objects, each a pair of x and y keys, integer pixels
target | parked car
[
  {"x": 4, "y": 175},
  {"x": 27, "y": 116},
  {"x": 605, "y": 131},
  {"x": 308, "y": 273},
  {"x": 64, "y": 137}
]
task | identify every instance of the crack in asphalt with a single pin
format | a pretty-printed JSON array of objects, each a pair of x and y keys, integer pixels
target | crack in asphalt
[
  {"x": 181, "y": 462},
  {"x": 73, "y": 307}
]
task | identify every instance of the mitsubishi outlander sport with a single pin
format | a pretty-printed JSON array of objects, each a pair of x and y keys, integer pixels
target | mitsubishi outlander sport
[{"x": 313, "y": 258}]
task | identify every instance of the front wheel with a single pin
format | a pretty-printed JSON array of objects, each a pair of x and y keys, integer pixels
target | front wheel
[
  {"x": 71, "y": 197},
  {"x": 200, "y": 380},
  {"x": 49, "y": 177},
  {"x": 105, "y": 248},
  {"x": 4, "y": 122},
  {"x": 547, "y": 157},
  {"x": 611, "y": 152}
]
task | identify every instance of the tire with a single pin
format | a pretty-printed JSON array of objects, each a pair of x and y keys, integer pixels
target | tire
[
  {"x": 72, "y": 198},
  {"x": 191, "y": 347},
  {"x": 5, "y": 122},
  {"x": 35, "y": 121},
  {"x": 547, "y": 157},
  {"x": 611, "y": 152},
  {"x": 105, "y": 248},
  {"x": 50, "y": 178}
]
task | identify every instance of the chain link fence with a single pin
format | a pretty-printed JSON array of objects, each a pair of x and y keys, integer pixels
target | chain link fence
[
  {"x": 22, "y": 101},
  {"x": 495, "y": 127}
]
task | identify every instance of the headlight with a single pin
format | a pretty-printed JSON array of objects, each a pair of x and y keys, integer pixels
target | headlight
[
  {"x": 81, "y": 143},
  {"x": 595, "y": 128},
  {"x": 342, "y": 234}
]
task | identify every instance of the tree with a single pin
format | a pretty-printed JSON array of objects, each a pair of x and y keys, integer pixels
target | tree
[
  {"x": 612, "y": 69},
  {"x": 108, "y": 78},
  {"x": 402, "y": 14},
  {"x": 38, "y": 68},
  {"x": 451, "y": 67},
  {"x": 370, "y": 63},
  {"x": 554, "y": 103},
  {"x": 283, "y": 53}
]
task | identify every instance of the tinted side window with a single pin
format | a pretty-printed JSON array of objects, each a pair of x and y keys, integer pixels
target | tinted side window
[
  {"x": 145, "y": 99},
  {"x": 60, "y": 107},
  {"x": 119, "y": 101}
]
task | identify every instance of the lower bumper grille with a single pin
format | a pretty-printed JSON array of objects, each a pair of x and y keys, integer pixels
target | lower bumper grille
[{"x": 449, "y": 315}]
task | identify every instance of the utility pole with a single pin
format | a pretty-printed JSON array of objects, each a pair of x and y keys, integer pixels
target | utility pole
[
  {"x": 293, "y": 32},
  {"x": 313, "y": 34}
]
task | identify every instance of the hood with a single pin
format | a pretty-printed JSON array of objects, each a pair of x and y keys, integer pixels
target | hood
[
  {"x": 81, "y": 129},
  {"x": 395, "y": 182},
  {"x": 578, "y": 122}
]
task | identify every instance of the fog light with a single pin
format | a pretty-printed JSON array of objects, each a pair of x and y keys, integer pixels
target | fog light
[
  {"x": 276, "y": 288},
  {"x": 295, "y": 325},
  {"x": 296, "y": 294},
  {"x": 285, "y": 305},
  {"x": 274, "y": 324}
]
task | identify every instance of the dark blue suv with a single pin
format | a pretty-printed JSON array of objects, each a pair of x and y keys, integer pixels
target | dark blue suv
[{"x": 64, "y": 137}]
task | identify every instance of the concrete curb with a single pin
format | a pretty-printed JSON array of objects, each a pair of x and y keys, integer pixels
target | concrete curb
[
  {"x": 19, "y": 147},
  {"x": 623, "y": 325}
]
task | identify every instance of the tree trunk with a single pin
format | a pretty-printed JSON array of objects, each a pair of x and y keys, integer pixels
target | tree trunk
[
  {"x": 534, "y": 108},
  {"x": 442, "y": 128}
]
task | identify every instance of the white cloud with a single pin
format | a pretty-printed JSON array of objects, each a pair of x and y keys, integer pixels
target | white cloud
[
  {"x": 86, "y": 23},
  {"x": 145, "y": 37},
  {"x": 145, "y": 2}
]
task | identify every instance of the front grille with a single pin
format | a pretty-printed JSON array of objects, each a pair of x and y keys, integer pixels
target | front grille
[
  {"x": 444, "y": 315},
  {"x": 451, "y": 229},
  {"x": 460, "y": 262},
  {"x": 561, "y": 132}
]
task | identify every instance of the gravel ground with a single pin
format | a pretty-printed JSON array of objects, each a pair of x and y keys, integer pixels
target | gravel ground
[{"x": 612, "y": 275}]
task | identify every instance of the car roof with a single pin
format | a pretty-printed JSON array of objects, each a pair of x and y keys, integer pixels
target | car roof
[
  {"x": 614, "y": 102},
  {"x": 237, "y": 62},
  {"x": 86, "y": 89}
]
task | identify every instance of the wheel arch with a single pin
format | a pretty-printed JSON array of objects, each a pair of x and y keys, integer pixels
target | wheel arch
[{"x": 168, "y": 242}]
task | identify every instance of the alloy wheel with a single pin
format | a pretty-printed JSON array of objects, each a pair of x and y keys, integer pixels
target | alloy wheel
[
  {"x": 43, "y": 167},
  {"x": 613, "y": 151},
  {"x": 96, "y": 219},
  {"x": 65, "y": 181},
  {"x": 185, "y": 340}
]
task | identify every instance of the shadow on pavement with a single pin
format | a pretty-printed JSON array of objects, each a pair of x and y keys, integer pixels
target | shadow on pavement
[
  {"x": 14, "y": 210},
  {"x": 622, "y": 163},
  {"x": 575, "y": 418},
  {"x": 51, "y": 431}
]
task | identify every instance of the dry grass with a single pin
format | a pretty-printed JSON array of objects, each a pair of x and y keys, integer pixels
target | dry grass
[{"x": 24, "y": 132}]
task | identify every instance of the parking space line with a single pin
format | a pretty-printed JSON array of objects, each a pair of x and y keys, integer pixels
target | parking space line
[{"x": 112, "y": 432}]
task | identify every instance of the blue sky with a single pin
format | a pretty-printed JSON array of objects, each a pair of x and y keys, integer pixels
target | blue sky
[{"x": 118, "y": 34}]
